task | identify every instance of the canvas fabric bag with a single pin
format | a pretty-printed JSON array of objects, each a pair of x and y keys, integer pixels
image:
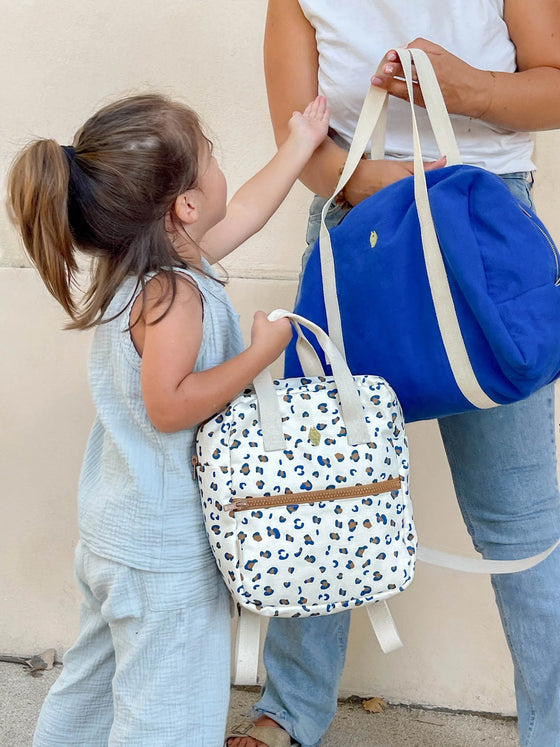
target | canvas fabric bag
[
  {"x": 304, "y": 487},
  {"x": 305, "y": 496},
  {"x": 443, "y": 283}
]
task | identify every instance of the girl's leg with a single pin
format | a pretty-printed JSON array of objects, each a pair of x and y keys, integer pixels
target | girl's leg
[
  {"x": 79, "y": 707},
  {"x": 171, "y": 634},
  {"x": 304, "y": 659},
  {"x": 503, "y": 463}
]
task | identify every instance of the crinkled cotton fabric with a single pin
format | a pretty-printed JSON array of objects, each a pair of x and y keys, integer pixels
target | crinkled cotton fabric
[
  {"x": 138, "y": 501},
  {"x": 151, "y": 664}
]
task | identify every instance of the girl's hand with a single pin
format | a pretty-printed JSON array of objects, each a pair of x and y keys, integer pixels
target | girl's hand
[
  {"x": 270, "y": 338},
  {"x": 371, "y": 176},
  {"x": 466, "y": 89},
  {"x": 311, "y": 127}
]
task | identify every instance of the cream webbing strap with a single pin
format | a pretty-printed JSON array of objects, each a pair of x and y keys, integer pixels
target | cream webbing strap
[
  {"x": 248, "y": 626},
  {"x": 437, "y": 276},
  {"x": 384, "y": 627},
  {"x": 357, "y": 428},
  {"x": 310, "y": 362},
  {"x": 248, "y": 635},
  {"x": 246, "y": 652},
  {"x": 372, "y": 112},
  {"x": 380, "y": 616},
  {"x": 480, "y": 565}
]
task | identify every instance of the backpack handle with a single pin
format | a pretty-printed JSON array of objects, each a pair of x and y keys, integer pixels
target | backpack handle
[
  {"x": 446, "y": 314},
  {"x": 357, "y": 428}
]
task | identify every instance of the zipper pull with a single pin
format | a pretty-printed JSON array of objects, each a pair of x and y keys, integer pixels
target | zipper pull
[
  {"x": 237, "y": 504},
  {"x": 195, "y": 464}
]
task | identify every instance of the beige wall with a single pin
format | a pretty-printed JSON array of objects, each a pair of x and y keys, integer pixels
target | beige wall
[{"x": 60, "y": 61}]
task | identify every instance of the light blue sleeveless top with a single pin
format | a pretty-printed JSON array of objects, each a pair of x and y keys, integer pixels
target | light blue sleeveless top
[{"x": 138, "y": 501}]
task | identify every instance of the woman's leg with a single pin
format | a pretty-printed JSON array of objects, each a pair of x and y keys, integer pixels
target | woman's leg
[
  {"x": 503, "y": 463},
  {"x": 304, "y": 659}
]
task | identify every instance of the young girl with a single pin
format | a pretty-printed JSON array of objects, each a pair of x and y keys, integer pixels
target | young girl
[{"x": 141, "y": 193}]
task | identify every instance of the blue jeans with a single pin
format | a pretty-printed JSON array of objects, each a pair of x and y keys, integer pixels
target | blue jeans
[{"x": 503, "y": 463}]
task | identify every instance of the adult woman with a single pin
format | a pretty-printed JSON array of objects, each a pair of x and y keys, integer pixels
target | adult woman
[{"x": 498, "y": 64}]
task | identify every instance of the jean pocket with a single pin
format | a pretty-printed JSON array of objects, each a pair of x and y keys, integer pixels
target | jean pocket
[{"x": 334, "y": 215}]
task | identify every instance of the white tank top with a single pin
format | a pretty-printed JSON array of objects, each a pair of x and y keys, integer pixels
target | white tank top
[{"x": 352, "y": 37}]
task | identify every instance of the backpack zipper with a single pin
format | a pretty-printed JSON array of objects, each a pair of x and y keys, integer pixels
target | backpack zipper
[{"x": 247, "y": 503}]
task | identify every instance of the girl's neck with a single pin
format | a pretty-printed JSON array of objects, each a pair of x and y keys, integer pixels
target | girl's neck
[
  {"x": 193, "y": 258},
  {"x": 188, "y": 249}
]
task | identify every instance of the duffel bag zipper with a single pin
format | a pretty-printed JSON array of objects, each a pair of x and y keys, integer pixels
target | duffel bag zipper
[
  {"x": 549, "y": 241},
  {"x": 246, "y": 503}
]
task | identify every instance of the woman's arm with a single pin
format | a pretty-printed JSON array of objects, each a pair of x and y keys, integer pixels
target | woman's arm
[
  {"x": 175, "y": 396},
  {"x": 291, "y": 69},
  {"x": 528, "y": 99}
]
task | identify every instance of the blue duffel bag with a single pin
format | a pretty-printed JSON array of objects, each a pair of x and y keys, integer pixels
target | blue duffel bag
[{"x": 443, "y": 283}]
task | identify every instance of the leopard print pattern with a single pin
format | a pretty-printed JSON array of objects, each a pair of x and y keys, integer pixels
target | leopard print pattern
[{"x": 302, "y": 558}]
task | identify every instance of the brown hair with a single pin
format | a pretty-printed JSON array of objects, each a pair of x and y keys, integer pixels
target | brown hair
[{"x": 110, "y": 196}]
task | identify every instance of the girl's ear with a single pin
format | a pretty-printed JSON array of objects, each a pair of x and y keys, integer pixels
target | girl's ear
[{"x": 186, "y": 207}]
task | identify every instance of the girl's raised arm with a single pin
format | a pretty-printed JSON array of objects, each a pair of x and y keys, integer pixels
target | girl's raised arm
[
  {"x": 291, "y": 68},
  {"x": 259, "y": 198}
]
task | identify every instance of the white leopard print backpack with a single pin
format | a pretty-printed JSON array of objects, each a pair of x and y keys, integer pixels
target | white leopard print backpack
[{"x": 304, "y": 488}]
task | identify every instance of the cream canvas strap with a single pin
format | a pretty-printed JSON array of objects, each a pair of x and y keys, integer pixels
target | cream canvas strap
[
  {"x": 357, "y": 428},
  {"x": 248, "y": 636},
  {"x": 247, "y": 644},
  {"x": 372, "y": 112},
  {"x": 246, "y": 648}
]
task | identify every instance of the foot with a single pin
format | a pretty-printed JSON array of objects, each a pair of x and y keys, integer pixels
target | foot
[{"x": 247, "y": 741}]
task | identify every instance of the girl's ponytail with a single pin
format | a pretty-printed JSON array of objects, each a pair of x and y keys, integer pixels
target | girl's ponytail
[
  {"x": 111, "y": 198},
  {"x": 38, "y": 198}
]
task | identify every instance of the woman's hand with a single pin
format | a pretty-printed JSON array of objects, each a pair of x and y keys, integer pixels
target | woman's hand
[
  {"x": 371, "y": 176},
  {"x": 310, "y": 127},
  {"x": 466, "y": 89}
]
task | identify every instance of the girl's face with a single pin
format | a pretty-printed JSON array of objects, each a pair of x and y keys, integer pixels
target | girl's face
[{"x": 213, "y": 191}]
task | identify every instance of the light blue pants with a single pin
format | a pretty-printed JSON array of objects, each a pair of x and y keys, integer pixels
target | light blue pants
[
  {"x": 151, "y": 666},
  {"x": 503, "y": 463}
]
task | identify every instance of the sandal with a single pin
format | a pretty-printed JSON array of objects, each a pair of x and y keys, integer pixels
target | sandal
[{"x": 272, "y": 736}]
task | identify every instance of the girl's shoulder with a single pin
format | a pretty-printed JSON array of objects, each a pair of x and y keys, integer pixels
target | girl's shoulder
[{"x": 132, "y": 286}]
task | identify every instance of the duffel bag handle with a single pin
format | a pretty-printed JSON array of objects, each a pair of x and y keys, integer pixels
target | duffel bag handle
[
  {"x": 439, "y": 285},
  {"x": 357, "y": 428}
]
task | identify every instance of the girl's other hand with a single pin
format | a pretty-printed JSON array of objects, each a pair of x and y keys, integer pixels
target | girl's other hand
[
  {"x": 270, "y": 338},
  {"x": 311, "y": 127}
]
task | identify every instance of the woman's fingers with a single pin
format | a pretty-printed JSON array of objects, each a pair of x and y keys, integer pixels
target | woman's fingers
[{"x": 439, "y": 164}]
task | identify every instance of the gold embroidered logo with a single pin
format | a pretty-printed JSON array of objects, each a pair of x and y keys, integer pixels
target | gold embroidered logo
[
  {"x": 373, "y": 239},
  {"x": 314, "y": 436}
]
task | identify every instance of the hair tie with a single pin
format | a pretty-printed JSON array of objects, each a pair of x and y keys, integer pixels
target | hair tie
[{"x": 69, "y": 152}]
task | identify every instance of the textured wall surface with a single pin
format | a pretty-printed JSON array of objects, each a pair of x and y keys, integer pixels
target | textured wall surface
[{"x": 60, "y": 64}]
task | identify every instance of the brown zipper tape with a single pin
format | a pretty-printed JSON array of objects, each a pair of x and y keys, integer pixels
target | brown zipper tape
[{"x": 313, "y": 496}]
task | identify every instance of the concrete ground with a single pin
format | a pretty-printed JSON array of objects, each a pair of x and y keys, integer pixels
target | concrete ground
[{"x": 21, "y": 696}]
